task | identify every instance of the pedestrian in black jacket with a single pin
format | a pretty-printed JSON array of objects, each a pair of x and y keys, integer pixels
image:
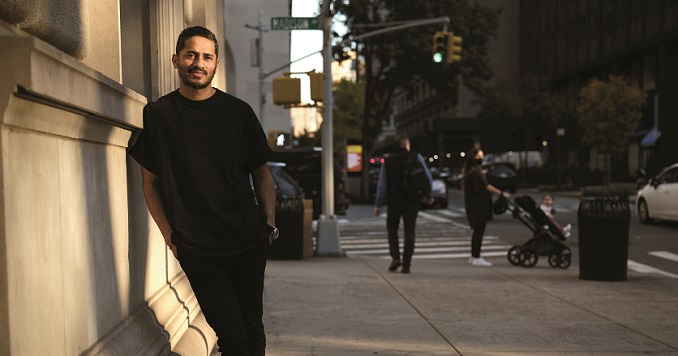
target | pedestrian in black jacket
[
  {"x": 478, "y": 202},
  {"x": 391, "y": 184}
]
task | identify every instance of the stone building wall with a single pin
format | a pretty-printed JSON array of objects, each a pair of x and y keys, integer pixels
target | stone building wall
[{"x": 83, "y": 267}]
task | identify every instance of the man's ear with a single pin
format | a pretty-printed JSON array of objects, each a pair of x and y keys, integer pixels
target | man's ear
[{"x": 175, "y": 61}]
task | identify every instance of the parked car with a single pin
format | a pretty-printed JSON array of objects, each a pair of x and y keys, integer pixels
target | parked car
[
  {"x": 658, "y": 199},
  {"x": 502, "y": 175},
  {"x": 285, "y": 186},
  {"x": 304, "y": 165},
  {"x": 454, "y": 178},
  {"x": 439, "y": 188}
]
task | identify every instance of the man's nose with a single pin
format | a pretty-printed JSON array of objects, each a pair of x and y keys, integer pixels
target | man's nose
[{"x": 199, "y": 62}]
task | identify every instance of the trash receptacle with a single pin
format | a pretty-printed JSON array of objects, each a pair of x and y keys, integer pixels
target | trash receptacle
[
  {"x": 289, "y": 216},
  {"x": 603, "y": 221}
]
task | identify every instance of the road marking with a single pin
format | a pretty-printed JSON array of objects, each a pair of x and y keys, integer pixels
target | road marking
[
  {"x": 419, "y": 250},
  {"x": 452, "y": 214},
  {"x": 641, "y": 268},
  {"x": 665, "y": 255},
  {"x": 433, "y": 217},
  {"x": 349, "y": 240},
  {"x": 457, "y": 255},
  {"x": 419, "y": 241}
]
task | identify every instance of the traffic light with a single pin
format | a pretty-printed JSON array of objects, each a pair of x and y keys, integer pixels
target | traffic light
[
  {"x": 454, "y": 48},
  {"x": 316, "y": 80},
  {"x": 440, "y": 50},
  {"x": 286, "y": 90}
]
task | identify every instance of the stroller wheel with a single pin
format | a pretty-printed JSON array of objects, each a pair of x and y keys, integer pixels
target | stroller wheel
[
  {"x": 529, "y": 257},
  {"x": 565, "y": 259},
  {"x": 554, "y": 260},
  {"x": 514, "y": 256}
]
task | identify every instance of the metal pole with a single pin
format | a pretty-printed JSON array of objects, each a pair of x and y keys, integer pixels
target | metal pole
[
  {"x": 260, "y": 54},
  {"x": 328, "y": 229},
  {"x": 404, "y": 25}
]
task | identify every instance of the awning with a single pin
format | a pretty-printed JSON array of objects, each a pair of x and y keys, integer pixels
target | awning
[{"x": 650, "y": 138}]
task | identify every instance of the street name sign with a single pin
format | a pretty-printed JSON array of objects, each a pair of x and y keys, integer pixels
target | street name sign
[{"x": 295, "y": 23}]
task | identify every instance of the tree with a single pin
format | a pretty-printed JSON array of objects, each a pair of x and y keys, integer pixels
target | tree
[
  {"x": 349, "y": 102},
  {"x": 609, "y": 112},
  {"x": 516, "y": 116},
  {"x": 395, "y": 59}
]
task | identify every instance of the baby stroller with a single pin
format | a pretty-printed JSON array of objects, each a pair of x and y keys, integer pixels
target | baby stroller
[{"x": 546, "y": 239}]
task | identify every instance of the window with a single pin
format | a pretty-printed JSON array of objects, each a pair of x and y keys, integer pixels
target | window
[{"x": 668, "y": 177}]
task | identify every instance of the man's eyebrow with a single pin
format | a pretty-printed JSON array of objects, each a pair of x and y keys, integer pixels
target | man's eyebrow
[{"x": 198, "y": 53}]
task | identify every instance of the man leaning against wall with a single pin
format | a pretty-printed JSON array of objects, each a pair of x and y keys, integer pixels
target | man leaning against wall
[{"x": 197, "y": 150}]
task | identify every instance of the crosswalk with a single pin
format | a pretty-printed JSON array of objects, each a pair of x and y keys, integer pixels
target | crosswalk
[
  {"x": 641, "y": 268},
  {"x": 442, "y": 234},
  {"x": 439, "y": 236}
]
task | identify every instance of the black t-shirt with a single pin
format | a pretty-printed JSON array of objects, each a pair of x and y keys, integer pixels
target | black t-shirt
[{"x": 203, "y": 153}]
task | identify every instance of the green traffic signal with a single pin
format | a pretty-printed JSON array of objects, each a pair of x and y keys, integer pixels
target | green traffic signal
[{"x": 440, "y": 50}]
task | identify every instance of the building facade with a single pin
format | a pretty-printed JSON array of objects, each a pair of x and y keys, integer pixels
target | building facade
[
  {"x": 83, "y": 267},
  {"x": 445, "y": 127},
  {"x": 574, "y": 41},
  {"x": 568, "y": 42}
]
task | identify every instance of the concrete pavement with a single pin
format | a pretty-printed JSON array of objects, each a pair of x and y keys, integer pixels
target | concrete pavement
[{"x": 354, "y": 306}]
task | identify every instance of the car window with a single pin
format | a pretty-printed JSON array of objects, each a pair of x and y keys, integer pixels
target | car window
[
  {"x": 502, "y": 169},
  {"x": 671, "y": 176},
  {"x": 668, "y": 177}
]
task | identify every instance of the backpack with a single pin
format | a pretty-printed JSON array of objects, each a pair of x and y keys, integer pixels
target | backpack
[{"x": 415, "y": 181}]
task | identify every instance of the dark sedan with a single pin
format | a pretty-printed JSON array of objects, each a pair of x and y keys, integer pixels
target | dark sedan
[{"x": 502, "y": 175}]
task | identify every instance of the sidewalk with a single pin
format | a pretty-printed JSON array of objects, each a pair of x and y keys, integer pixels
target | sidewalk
[{"x": 353, "y": 306}]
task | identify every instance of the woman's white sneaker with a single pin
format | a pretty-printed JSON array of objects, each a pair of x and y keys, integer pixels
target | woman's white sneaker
[{"x": 480, "y": 262}]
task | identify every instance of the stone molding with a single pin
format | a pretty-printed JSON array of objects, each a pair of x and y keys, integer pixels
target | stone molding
[
  {"x": 170, "y": 323},
  {"x": 41, "y": 71}
]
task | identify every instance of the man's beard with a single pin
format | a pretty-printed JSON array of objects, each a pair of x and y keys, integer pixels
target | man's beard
[{"x": 184, "y": 74}]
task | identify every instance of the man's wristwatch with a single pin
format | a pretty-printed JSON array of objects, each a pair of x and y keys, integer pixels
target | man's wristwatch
[{"x": 274, "y": 232}]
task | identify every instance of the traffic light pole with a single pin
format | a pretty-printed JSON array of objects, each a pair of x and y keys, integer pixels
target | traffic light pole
[{"x": 328, "y": 227}]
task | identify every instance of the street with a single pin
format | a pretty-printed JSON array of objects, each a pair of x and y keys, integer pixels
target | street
[{"x": 444, "y": 234}]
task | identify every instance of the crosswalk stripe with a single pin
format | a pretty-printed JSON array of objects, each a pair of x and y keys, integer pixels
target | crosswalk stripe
[
  {"x": 420, "y": 250},
  {"x": 419, "y": 241},
  {"x": 457, "y": 255},
  {"x": 453, "y": 214},
  {"x": 641, "y": 268},
  {"x": 433, "y": 217},
  {"x": 665, "y": 255}
]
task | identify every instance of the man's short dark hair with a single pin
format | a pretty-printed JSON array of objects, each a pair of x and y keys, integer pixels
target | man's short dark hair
[
  {"x": 401, "y": 139},
  {"x": 196, "y": 31}
]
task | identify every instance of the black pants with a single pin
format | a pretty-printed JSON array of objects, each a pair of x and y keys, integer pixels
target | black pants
[
  {"x": 477, "y": 237},
  {"x": 408, "y": 210},
  {"x": 230, "y": 290}
]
